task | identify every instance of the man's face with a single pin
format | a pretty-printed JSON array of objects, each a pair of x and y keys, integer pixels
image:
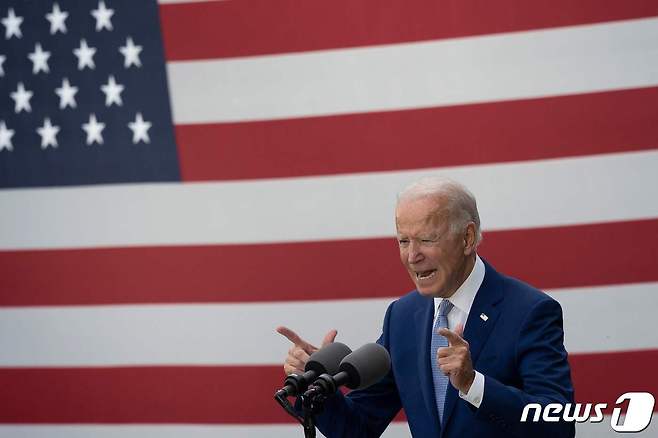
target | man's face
[{"x": 435, "y": 258}]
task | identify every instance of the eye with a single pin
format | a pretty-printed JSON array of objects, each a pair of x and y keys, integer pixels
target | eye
[{"x": 403, "y": 242}]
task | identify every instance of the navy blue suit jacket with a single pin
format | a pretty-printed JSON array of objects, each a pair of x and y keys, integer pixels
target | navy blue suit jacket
[{"x": 519, "y": 350}]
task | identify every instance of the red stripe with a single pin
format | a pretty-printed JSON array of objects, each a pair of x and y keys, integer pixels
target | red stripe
[
  {"x": 521, "y": 130},
  {"x": 256, "y": 27},
  {"x": 229, "y": 394},
  {"x": 584, "y": 255},
  {"x": 601, "y": 378}
]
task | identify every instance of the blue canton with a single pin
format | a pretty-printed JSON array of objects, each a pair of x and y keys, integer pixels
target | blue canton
[{"x": 84, "y": 94}]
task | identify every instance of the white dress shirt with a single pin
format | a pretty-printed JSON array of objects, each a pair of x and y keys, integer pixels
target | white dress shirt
[{"x": 462, "y": 301}]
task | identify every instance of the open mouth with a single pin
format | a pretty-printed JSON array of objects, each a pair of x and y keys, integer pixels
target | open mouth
[{"x": 424, "y": 275}]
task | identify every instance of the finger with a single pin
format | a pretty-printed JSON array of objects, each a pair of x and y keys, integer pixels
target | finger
[
  {"x": 450, "y": 361},
  {"x": 450, "y": 367},
  {"x": 295, "y": 339},
  {"x": 452, "y": 337},
  {"x": 295, "y": 363},
  {"x": 459, "y": 330},
  {"x": 291, "y": 369},
  {"x": 329, "y": 337},
  {"x": 291, "y": 335},
  {"x": 446, "y": 368},
  {"x": 448, "y": 358},
  {"x": 445, "y": 352},
  {"x": 444, "y": 361},
  {"x": 301, "y": 355}
]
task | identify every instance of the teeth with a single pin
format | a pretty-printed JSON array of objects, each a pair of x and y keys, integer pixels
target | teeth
[{"x": 426, "y": 276}]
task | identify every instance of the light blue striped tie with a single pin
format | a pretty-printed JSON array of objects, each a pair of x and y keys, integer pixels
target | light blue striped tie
[{"x": 440, "y": 380}]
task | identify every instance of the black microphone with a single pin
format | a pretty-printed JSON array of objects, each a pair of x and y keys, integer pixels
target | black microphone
[
  {"x": 325, "y": 360},
  {"x": 359, "y": 369}
]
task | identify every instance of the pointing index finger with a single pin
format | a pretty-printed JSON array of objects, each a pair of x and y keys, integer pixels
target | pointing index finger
[
  {"x": 295, "y": 339},
  {"x": 329, "y": 337},
  {"x": 452, "y": 337}
]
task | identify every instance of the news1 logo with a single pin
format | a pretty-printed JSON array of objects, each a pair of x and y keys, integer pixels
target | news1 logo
[{"x": 637, "y": 418}]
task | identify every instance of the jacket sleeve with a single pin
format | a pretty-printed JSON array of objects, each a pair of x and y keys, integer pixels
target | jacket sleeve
[
  {"x": 545, "y": 377},
  {"x": 363, "y": 413}
]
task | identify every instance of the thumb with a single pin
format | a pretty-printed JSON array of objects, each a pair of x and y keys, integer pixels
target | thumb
[
  {"x": 460, "y": 330},
  {"x": 329, "y": 338}
]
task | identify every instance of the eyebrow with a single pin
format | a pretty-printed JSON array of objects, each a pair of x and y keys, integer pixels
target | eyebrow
[{"x": 431, "y": 236}]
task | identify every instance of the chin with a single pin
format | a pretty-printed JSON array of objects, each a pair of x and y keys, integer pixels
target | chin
[{"x": 427, "y": 291}]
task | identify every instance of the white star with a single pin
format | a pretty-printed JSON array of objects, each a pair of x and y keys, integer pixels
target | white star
[
  {"x": 2, "y": 61},
  {"x": 12, "y": 24},
  {"x": 85, "y": 55},
  {"x": 102, "y": 16},
  {"x": 48, "y": 134},
  {"x": 140, "y": 129},
  {"x": 57, "y": 18},
  {"x": 22, "y": 99},
  {"x": 39, "y": 59},
  {"x": 112, "y": 92},
  {"x": 93, "y": 130},
  {"x": 131, "y": 53},
  {"x": 5, "y": 137},
  {"x": 66, "y": 94}
]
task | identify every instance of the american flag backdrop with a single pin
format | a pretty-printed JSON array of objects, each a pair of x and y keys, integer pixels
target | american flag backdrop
[{"x": 179, "y": 178}]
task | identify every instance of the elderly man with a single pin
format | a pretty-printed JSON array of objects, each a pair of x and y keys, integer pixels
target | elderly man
[{"x": 469, "y": 346}]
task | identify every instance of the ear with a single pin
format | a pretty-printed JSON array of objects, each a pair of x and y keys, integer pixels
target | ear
[{"x": 469, "y": 239}]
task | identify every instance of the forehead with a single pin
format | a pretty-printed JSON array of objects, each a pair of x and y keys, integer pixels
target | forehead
[{"x": 420, "y": 215}]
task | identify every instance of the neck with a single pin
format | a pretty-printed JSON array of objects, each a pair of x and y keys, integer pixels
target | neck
[{"x": 467, "y": 268}]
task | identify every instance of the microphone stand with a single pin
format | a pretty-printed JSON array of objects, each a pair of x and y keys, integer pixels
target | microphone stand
[
  {"x": 285, "y": 404},
  {"x": 309, "y": 426},
  {"x": 312, "y": 404}
]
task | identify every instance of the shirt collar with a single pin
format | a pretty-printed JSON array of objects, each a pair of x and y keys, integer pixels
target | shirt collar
[{"x": 465, "y": 294}]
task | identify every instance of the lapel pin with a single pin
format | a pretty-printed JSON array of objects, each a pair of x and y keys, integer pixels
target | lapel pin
[{"x": 483, "y": 316}]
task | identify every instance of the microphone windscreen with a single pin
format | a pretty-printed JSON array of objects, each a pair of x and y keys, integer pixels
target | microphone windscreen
[
  {"x": 327, "y": 359},
  {"x": 366, "y": 365}
]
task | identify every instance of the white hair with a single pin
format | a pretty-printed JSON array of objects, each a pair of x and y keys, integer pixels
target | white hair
[{"x": 460, "y": 206}]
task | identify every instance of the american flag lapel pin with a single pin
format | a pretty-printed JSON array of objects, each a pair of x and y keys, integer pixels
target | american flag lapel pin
[{"x": 483, "y": 316}]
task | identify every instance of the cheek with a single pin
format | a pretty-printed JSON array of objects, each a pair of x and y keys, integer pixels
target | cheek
[{"x": 436, "y": 258}]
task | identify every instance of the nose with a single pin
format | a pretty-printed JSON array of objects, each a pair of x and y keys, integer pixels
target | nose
[{"x": 414, "y": 255}]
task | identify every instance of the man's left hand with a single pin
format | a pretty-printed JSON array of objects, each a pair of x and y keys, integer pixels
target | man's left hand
[{"x": 455, "y": 359}]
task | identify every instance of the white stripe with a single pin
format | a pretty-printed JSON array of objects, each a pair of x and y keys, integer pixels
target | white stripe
[
  {"x": 206, "y": 334},
  {"x": 513, "y": 195},
  {"x": 169, "y": 431},
  {"x": 516, "y": 65},
  {"x": 604, "y": 318},
  {"x": 394, "y": 430}
]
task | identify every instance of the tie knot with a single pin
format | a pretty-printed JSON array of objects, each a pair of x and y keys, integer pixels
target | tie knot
[{"x": 445, "y": 307}]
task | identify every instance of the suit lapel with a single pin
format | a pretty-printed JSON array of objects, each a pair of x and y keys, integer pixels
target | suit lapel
[
  {"x": 423, "y": 318},
  {"x": 478, "y": 328}
]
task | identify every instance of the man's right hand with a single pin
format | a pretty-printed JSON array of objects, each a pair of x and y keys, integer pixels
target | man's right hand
[{"x": 301, "y": 350}]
